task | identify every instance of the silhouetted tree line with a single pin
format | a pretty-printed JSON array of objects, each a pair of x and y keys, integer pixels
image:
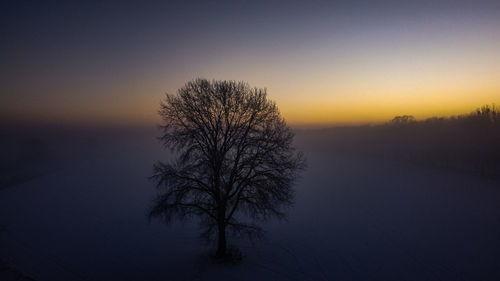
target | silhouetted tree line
[
  {"x": 468, "y": 143},
  {"x": 487, "y": 116}
]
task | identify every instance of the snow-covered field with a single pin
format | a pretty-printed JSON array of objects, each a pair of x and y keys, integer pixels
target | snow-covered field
[{"x": 355, "y": 218}]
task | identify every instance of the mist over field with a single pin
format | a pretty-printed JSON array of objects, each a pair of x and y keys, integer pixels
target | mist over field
[
  {"x": 389, "y": 202},
  {"x": 351, "y": 140}
]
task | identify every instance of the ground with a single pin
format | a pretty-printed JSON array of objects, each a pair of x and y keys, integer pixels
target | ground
[{"x": 355, "y": 218}]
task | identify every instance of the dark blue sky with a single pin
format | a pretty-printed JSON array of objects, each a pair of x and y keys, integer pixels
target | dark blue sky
[{"x": 112, "y": 60}]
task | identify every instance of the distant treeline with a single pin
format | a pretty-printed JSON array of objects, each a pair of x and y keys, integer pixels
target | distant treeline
[
  {"x": 468, "y": 143},
  {"x": 487, "y": 116}
]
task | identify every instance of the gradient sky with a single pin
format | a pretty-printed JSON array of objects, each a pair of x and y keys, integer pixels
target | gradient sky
[{"x": 323, "y": 62}]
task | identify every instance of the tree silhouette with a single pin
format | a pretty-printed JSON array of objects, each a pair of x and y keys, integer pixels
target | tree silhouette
[
  {"x": 234, "y": 163},
  {"x": 403, "y": 120}
]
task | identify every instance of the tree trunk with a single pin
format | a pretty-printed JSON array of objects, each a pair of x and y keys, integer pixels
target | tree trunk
[{"x": 221, "y": 242}]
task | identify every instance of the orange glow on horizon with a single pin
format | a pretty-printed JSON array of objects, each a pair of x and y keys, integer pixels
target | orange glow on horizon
[{"x": 323, "y": 70}]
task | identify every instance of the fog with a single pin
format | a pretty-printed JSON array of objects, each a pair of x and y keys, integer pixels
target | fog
[{"x": 370, "y": 206}]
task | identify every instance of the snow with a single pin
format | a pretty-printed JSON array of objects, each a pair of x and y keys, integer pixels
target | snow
[{"x": 355, "y": 218}]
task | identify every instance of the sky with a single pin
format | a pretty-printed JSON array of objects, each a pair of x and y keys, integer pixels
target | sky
[{"x": 323, "y": 62}]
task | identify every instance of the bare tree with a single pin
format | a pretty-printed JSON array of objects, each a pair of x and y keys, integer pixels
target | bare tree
[
  {"x": 234, "y": 164},
  {"x": 403, "y": 120}
]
